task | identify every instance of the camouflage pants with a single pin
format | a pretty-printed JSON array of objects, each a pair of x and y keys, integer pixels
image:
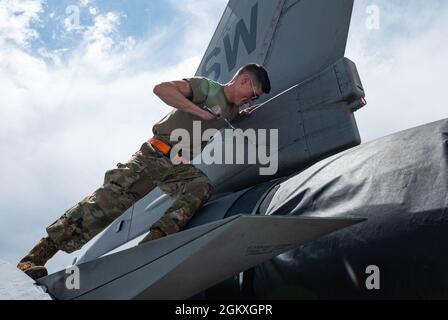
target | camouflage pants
[{"x": 127, "y": 184}]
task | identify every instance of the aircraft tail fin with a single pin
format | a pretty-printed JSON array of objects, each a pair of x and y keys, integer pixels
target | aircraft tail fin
[{"x": 293, "y": 39}]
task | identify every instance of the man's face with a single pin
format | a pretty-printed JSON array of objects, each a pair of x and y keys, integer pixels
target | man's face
[{"x": 247, "y": 91}]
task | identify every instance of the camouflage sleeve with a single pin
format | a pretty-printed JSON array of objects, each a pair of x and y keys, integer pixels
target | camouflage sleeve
[{"x": 200, "y": 88}]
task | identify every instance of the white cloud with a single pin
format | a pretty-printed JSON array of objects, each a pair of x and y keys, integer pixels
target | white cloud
[
  {"x": 104, "y": 24},
  {"x": 402, "y": 65},
  {"x": 200, "y": 18},
  {"x": 99, "y": 42},
  {"x": 54, "y": 56},
  {"x": 93, "y": 10},
  {"x": 102, "y": 49},
  {"x": 71, "y": 22},
  {"x": 16, "y": 18},
  {"x": 85, "y": 2}
]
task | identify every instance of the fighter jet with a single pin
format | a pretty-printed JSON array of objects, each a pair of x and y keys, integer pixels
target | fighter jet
[{"x": 329, "y": 218}]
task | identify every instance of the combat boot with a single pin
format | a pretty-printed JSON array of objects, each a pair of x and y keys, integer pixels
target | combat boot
[
  {"x": 154, "y": 234},
  {"x": 33, "y": 263}
]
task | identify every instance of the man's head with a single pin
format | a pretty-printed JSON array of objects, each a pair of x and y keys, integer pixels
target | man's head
[{"x": 249, "y": 83}]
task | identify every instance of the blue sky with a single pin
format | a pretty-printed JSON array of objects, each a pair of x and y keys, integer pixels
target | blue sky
[
  {"x": 136, "y": 21},
  {"x": 76, "y": 100},
  {"x": 402, "y": 64}
]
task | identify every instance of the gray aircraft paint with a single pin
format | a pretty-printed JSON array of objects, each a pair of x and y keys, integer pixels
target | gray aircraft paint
[
  {"x": 248, "y": 38},
  {"x": 154, "y": 270},
  {"x": 283, "y": 41}
]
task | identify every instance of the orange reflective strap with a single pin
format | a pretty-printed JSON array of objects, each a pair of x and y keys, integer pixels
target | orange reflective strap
[
  {"x": 160, "y": 145},
  {"x": 165, "y": 148}
]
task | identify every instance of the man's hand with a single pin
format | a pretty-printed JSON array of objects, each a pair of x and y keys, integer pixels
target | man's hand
[
  {"x": 217, "y": 111},
  {"x": 207, "y": 116},
  {"x": 211, "y": 113}
]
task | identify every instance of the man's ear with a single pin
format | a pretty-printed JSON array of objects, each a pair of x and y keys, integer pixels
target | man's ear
[
  {"x": 245, "y": 78},
  {"x": 240, "y": 79}
]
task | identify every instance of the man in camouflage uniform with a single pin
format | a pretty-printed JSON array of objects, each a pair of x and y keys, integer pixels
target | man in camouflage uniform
[{"x": 152, "y": 167}]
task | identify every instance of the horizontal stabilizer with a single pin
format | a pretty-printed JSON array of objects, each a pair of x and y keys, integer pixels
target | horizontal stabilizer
[{"x": 197, "y": 258}]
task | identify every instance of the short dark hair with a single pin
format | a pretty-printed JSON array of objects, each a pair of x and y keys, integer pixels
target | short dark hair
[{"x": 259, "y": 73}]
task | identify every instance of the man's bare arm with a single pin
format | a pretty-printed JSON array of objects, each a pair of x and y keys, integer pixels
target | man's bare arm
[{"x": 175, "y": 93}]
